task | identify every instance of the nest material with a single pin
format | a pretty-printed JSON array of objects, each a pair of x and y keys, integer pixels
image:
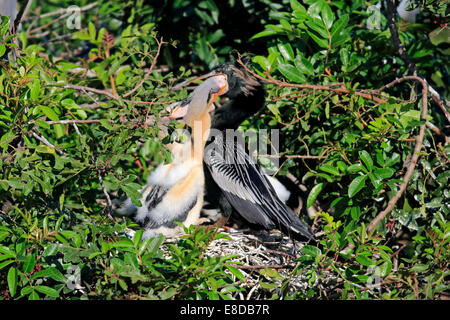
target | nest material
[{"x": 256, "y": 251}]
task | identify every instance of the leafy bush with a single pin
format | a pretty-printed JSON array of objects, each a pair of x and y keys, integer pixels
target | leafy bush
[{"x": 78, "y": 115}]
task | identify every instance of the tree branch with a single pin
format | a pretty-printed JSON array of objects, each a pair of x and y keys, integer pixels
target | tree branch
[
  {"x": 415, "y": 155},
  {"x": 399, "y": 47},
  {"x": 47, "y": 143},
  {"x": 149, "y": 71},
  {"x": 335, "y": 87},
  {"x": 62, "y": 11}
]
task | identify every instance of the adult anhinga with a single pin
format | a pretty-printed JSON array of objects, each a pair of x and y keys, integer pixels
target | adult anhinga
[
  {"x": 174, "y": 191},
  {"x": 234, "y": 181}
]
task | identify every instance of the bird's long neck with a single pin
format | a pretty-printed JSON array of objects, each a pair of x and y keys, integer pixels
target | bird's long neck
[{"x": 200, "y": 130}]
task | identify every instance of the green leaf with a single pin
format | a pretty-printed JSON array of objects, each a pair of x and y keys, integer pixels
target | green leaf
[
  {"x": 384, "y": 173},
  {"x": 47, "y": 291},
  {"x": 329, "y": 169},
  {"x": 311, "y": 251},
  {"x": 5, "y": 263},
  {"x": 291, "y": 73},
  {"x": 5, "y": 250},
  {"x": 295, "y": 5},
  {"x": 364, "y": 260},
  {"x": 12, "y": 280},
  {"x": 313, "y": 194},
  {"x": 28, "y": 264},
  {"x": 356, "y": 185},
  {"x": 51, "y": 272},
  {"x": 318, "y": 26},
  {"x": 286, "y": 25},
  {"x": 35, "y": 89},
  {"x": 327, "y": 15},
  {"x": 34, "y": 296},
  {"x": 286, "y": 51},
  {"x": 92, "y": 31},
  {"x": 238, "y": 274},
  {"x": 69, "y": 104},
  {"x": 355, "y": 168},
  {"x": 304, "y": 65},
  {"x": 263, "y": 62},
  {"x": 122, "y": 243},
  {"x": 393, "y": 160},
  {"x": 323, "y": 43},
  {"x": 45, "y": 149},
  {"x": 339, "y": 25},
  {"x": 385, "y": 269},
  {"x": 137, "y": 237},
  {"x": 49, "y": 113},
  {"x": 366, "y": 158},
  {"x": 265, "y": 33},
  {"x": 419, "y": 268},
  {"x": 355, "y": 213}
]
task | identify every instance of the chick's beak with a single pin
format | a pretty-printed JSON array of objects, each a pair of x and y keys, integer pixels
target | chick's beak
[{"x": 178, "y": 112}]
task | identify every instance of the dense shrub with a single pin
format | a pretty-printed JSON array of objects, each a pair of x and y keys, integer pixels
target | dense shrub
[{"x": 78, "y": 115}]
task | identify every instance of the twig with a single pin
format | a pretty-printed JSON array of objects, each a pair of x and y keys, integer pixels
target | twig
[
  {"x": 396, "y": 39},
  {"x": 62, "y": 11},
  {"x": 94, "y": 90},
  {"x": 439, "y": 101},
  {"x": 258, "y": 267},
  {"x": 74, "y": 121},
  {"x": 108, "y": 198},
  {"x": 149, "y": 121},
  {"x": 437, "y": 131},
  {"x": 293, "y": 156},
  {"x": 413, "y": 161},
  {"x": 149, "y": 71},
  {"x": 47, "y": 143},
  {"x": 50, "y": 23},
  {"x": 398, "y": 45},
  {"x": 186, "y": 82},
  {"x": 19, "y": 16},
  {"x": 335, "y": 87}
]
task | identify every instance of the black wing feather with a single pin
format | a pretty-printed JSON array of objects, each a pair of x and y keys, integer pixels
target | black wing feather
[{"x": 247, "y": 189}]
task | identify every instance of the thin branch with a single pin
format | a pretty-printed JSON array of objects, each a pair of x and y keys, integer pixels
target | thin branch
[
  {"x": 399, "y": 47},
  {"x": 47, "y": 143},
  {"x": 149, "y": 121},
  {"x": 396, "y": 39},
  {"x": 293, "y": 156},
  {"x": 258, "y": 267},
  {"x": 62, "y": 11},
  {"x": 108, "y": 198},
  {"x": 19, "y": 16},
  {"x": 414, "y": 157},
  {"x": 437, "y": 131},
  {"x": 189, "y": 81},
  {"x": 94, "y": 90},
  {"x": 335, "y": 87},
  {"x": 149, "y": 71}
]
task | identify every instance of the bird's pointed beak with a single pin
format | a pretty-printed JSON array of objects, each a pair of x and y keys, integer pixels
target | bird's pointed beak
[
  {"x": 178, "y": 112},
  {"x": 180, "y": 109},
  {"x": 214, "y": 96}
]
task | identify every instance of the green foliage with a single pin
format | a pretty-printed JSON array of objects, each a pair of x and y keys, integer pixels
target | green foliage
[
  {"x": 93, "y": 259},
  {"x": 77, "y": 121}
]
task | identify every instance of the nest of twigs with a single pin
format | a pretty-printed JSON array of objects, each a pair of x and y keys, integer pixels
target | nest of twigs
[{"x": 257, "y": 251}]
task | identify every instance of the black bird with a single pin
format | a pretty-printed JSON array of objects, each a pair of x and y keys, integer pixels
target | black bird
[{"x": 234, "y": 180}]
